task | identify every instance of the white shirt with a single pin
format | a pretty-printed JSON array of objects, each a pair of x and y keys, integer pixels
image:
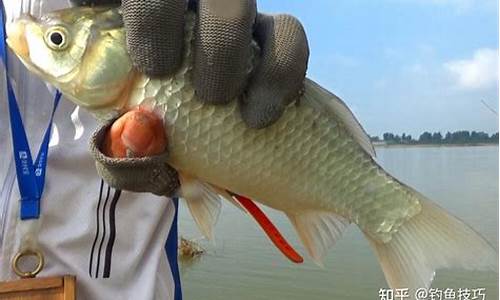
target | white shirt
[{"x": 114, "y": 242}]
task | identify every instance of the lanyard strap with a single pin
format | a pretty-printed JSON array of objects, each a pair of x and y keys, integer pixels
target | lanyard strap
[{"x": 30, "y": 177}]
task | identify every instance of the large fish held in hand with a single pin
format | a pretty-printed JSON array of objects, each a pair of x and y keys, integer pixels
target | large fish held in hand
[{"x": 316, "y": 164}]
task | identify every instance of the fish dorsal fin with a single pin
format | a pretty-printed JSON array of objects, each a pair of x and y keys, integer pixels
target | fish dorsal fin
[
  {"x": 318, "y": 231},
  {"x": 324, "y": 100},
  {"x": 203, "y": 202}
]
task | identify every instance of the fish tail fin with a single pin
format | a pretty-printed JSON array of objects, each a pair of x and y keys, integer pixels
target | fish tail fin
[{"x": 431, "y": 240}]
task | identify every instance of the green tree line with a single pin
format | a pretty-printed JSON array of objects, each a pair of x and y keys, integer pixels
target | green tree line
[{"x": 436, "y": 138}]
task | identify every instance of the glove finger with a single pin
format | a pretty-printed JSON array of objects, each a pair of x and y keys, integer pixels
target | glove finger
[
  {"x": 94, "y": 2},
  {"x": 155, "y": 34},
  {"x": 145, "y": 174},
  {"x": 278, "y": 79},
  {"x": 223, "y": 37}
]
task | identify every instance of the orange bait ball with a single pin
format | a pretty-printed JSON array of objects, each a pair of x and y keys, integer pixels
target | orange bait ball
[{"x": 137, "y": 133}]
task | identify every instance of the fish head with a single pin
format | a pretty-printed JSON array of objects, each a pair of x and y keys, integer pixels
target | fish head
[{"x": 81, "y": 51}]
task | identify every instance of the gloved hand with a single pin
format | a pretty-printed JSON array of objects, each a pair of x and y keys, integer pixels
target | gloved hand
[
  {"x": 155, "y": 34},
  {"x": 224, "y": 30},
  {"x": 139, "y": 174}
]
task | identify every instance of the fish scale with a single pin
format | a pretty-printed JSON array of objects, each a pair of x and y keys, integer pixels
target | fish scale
[
  {"x": 305, "y": 161},
  {"x": 315, "y": 163}
]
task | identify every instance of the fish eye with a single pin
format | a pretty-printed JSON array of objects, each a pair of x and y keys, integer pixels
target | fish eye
[{"x": 57, "y": 38}]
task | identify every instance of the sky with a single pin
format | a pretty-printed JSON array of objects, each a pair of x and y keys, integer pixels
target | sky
[{"x": 405, "y": 65}]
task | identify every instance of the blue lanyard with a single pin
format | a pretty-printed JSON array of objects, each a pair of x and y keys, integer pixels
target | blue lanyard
[{"x": 30, "y": 177}]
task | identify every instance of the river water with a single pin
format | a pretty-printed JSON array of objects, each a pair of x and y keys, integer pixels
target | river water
[{"x": 243, "y": 264}]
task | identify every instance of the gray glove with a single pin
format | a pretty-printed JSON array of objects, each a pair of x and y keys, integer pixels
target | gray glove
[
  {"x": 145, "y": 174},
  {"x": 225, "y": 28},
  {"x": 155, "y": 33}
]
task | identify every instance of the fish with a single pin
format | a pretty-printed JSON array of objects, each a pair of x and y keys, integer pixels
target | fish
[{"x": 316, "y": 164}]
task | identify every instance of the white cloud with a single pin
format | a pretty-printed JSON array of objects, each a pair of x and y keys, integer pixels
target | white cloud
[
  {"x": 479, "y": 72},
  {"x": 417, "y": 68},
  {"x": 459, "y": 6},
  {"x": 343, "y": 60}
]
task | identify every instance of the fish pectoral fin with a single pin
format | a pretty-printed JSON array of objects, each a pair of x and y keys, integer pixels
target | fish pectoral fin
[
  {"x": 203, "y": 202},
  {"x": 226, "y": 195},
  {"x": 319, "y": 231}
]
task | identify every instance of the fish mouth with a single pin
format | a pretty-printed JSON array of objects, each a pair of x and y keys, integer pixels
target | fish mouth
[
  {"x": 18, "y": 43},
  {"x": 16, "y": 37}
]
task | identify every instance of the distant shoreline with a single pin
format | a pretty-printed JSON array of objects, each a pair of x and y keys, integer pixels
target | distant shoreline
[
  {"x": 461, "y": 138},
  {"x": 384, "y": 145}
]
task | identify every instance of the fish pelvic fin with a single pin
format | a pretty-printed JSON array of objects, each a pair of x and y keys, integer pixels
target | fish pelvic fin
[
  {"x": 203, "y": 202},
  {"x": 431, "y": 240},
  {"x": 318, "y": 231}
]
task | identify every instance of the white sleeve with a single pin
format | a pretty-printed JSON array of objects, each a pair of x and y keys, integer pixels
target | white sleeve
[{"x": 113, "y": 241}]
